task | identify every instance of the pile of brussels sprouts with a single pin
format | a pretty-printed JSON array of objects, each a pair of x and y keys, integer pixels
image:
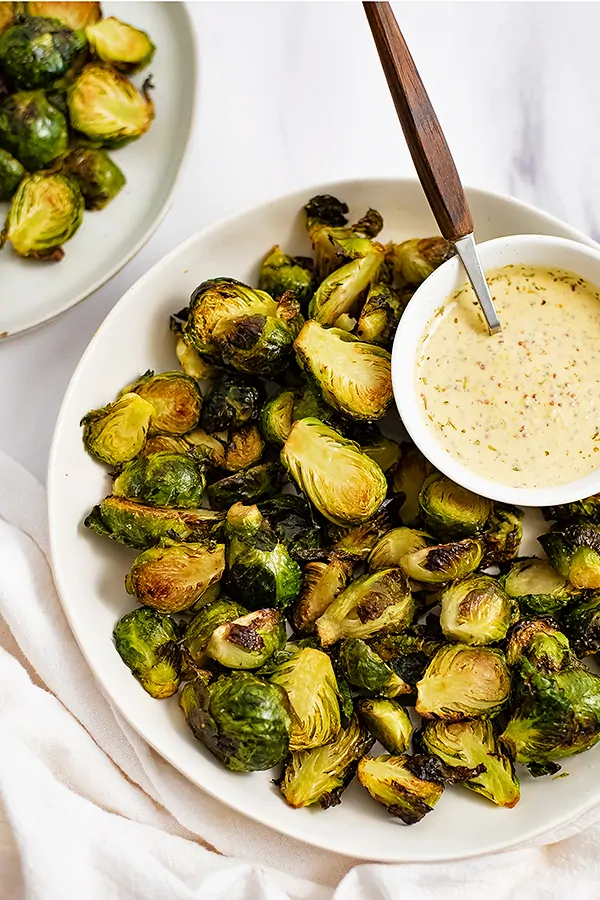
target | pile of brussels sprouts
[
  {"x": 303, "y": 624},
  {"x": 65, "y": 99}
]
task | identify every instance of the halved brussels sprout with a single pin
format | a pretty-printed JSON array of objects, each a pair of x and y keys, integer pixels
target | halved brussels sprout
[
  {"x": 581, "y": 624},
  {"x": 384, "y": 451},
  {"x": 242, "y": 720},
  {"x": 72, "y": 13},
  {"x": 248, "y": 642},
  {"x": 36, "y": 51},
  {"x": 231, "y": 402},
  {"x": 280, "y": 273},
  {"x": 206, "y": 448},
  {"x": 333, "y": 243},
  {"x": 321, "y": 775},
  {"x": 106, "y": 107},
  {"x": 395, "y": 545},
  {"x": 162, "y": 443},
  {"x": 353, "y": 377},
  {"x": 172, "y": 578},
  {"x": 142, "y": 527},
  {"x": 8, "y": 12},
  {"x": 409, "y": 477},
  {"x": 341, "y": 292},
  {"x": 474, "y": 744},
  {"x": 191, "y": 362},
  {"x": 220, "y": 299},
  {"x": 243, "y": 449},
  {"x": 291, "y": 518},
  {"x": 416, "y": 259},
  {"x": 503, "y": 535},
  {"x": 366, "y": 670},
  {"x": 450, "y": 511},
  {"x": 176, "y": 399},
  {"x": 408, "y": 653},
  {"x": 443, "y": 562},
  {"x": 146, "y": 641},
  {"x": 309, "y": 681},
  {"x": 98, "y": 177},
  {"x": 380, "y": 314},
  {"x": 588, "y": 508},
  {"x": 200, "y": 629},
  {"x": 344, "y": 484},
  {"x": 359, "y": 540},
  {"x": 387, "y": 721},
  {"x": 476, "y": 610},
  {"x": 537, "y": 587},
  {"x": 126, "y": 48},
  {"x": 464, "y": 682},
  {"x": 539, "y": 641},
  {"x": 372, "y": 604},
  {"x": 45, "y": 212},
  {"x": 404, "y": 794},
  {"x": 162, "y": 479},
  {"x": 574, "y": 551},
  {"x": 255, "y": 344},
  {"x": 276, "y": 416},
  {"x": 11, "y": 174},
  {"x": 33, "y": 130},
  {"x": 116, "y": 433},
  {"x": 321, "y": 584},
  {"x": 248, "y": 486}
]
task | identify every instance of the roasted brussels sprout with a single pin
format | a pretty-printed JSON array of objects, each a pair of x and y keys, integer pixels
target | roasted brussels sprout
[
  {"x": 309, "y": 405},
  {"x": 464, "y": 682},
  {"x": 146, "y": 641},
  {"x": 408, "y": 653},
  {"x": 581, "y": 624},
  {"x": 541, "y": 642},
  {"x": 387, "y": 721},
  {"x": 98, "y": 177},
  {"x": 33, "y": 130},
  {"x": 162, "y": 479},
  {"x": 588, "y": 508},
  {"x": 45, "y": 212},
  {"x": 191, "y": 362},
  {"x": 409, "y": 477},
  {"x": 380, "y": 314},
  {"x": 126, "y": 48},
  {"x": 353, "y": 377},
  {"x": 276, "y": 416},
  {"x": 163, "y": 443},
  {"x": 205, "y": 447},
  {"x": 176, "y": 400},
  {"x": 280, "y": 273},
  {"x": 321, "y": 584},
  {"x": 292, "y": 520},
  {"x": 172, "y": 578},
  {"x": 8, "y": 12},
  {"x": 249, "y": 641},
  {"x": 450, "y": 511},
  {"x": 372, "y": 604},
  {"x": 384, "y": 451},
  {"x": 242, "y": 720},
  {"x": 11, "y": 174},
  {"x": 76, "y": 15},
  {"x": 358, "y": 541},
  {"x": 340, "y": 293},
  {"x": 391, "y": 782},
  {"x": 254, "y": 344},
  {"x": 231, "y": 402},
  {"x": 243, "y": 449},
  {"x": 207, "y": 619},
  {"x": 344, "y": 484},
  {"x": 37, "y": 51},
  {"x": 476, "y": 610},
  {"x": 220, "y": 299},
  {"x": 333, "y": 243},
  {"x": 474, "y": 744},
  {"x": 394, "y": 545},
  {"x": 415, "y": 260},
  {"x": 248, "y": 486},
  {"x": 366, "y": 670},
  {"x": 116, "y": 433},
  {"x": 538, "y": 589},
  {"x": 574, "y": 551},
  {"x": 502, "y": 536},
  {"x": 443, "y": 562},
  {"x": 106, "y": 107},
  {"x": 142, "y": 527},
  {"x": 309, "y": 681},
  {"x": 212, "y": 593},
  {"x": 321, "y": 775}
]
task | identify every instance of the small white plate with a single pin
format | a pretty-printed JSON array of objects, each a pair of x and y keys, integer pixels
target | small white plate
[
  {"x": 33, "y": 292},
  {"x": 89, "y": 570}
]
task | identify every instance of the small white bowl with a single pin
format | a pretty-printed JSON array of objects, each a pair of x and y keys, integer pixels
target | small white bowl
[{"x": 524, "y": 249}]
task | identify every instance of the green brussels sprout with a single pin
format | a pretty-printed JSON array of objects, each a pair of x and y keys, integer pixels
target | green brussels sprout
[
  {"x": 146, "y": 641},
  {"x": 309, "y": 405},
  {"x": 309, "y": 681},
  {"x": 409, "y": 477},
  {"x": 107, "y": 108},
  {"x": 344, "y": 484},
  {"x": 341, "y": 292},
  {"x": 450, "y": 511},
  {"x": 376, "y": 603},
  {"x": 243, "y": 721},
  {"x": 98, "y": 177},
  {"x": 162, "y": 443},
  {"x": 539, "y": 641},
  {"x": 11, "y": 174},
  {"x": 71, "y": 13},
  {"x": 474, "y": 744},
  {"x": 538, "y": 589},
  {"x": 384, "y": 451},
  {"x": 321, "y": 584},
  {"x": 408, "y": 653},
  {"x": 581, "y": 624},
  {"x": 387, "y": 721},
  {"x": 588, "y": 508},
  {"x": 162, "y": 479},
  {"x": 394, "y": 545},
  {"x": 231, "y": 402},
  {"x": 291, "y": 518},
  {"x": 261, "y": 572},
  {"x": 380, "y": 314},
  {"x": 45, "y": 212},
  {"x": 8, "y": 12},
  {"x": 172, "y": 578},
  {"x": 322, "y": 774},
  {"x": 276, "y": 416},
  {"x": 176, "y": 400},
  {"x": 476, "y": 610},
  {"x": 248, "y": 642},
  {"x": 37, "y": 51},
  {"x": 116, "y": 433},
  {"x": 33, "y": 130},
  {"x": 502, "y": 535},
  {"x": 220, "y": 299},
  {"x": 208, "y": 618},
  {"x": 244, "y": 448},
  {"x": 464, "y": 682},
  {"x": 416, "y": 259},
  {"x": 126, "y": 48},
  {"x": 573, "y": 549},
  {"x": 254, "y": 344},
  {"x": 367, "y": 672},
  {"x": 391, "y": 782},
  {"x": 443, "y": 562},
  {"x": 142, "y": 527},
  {"x": 353, "y": 377},
  {"x": 280, "y": 273},
  {"x": 191, "y": 362},
  {"x": 248, "y": 486}
]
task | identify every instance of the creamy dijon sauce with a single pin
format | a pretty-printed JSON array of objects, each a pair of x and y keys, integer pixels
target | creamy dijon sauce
[{"x": 521, "y": 408}]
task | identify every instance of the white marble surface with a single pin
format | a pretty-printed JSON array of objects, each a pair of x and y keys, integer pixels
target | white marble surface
[{"x": 292, "y": 94}]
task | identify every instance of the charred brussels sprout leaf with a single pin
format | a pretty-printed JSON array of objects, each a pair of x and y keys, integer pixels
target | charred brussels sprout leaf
[
  {"x": 292, "y": 520},
  {"x": 248, "y": 486},
  {"x": 353, "y": 377},
  {"x": 443, "y": 562},
  {"x": 116, "y": 433},
  {"x": 33, "y": 130},
  {"x": 476, "y": 610},
  {"x": 388, "y": 722},
  {"x": 46, "y": 211},
  {"x": 146, "y": 641},
  {"x": 162, "y": 479},
  {"x": 396, "y": 544},
  {"x": 289, "y": 313},
  {"x": 176, "y": 400},
  {"x": 321, "y": 775},
  {"x": 208, "y": 618},
  {"x": 280, "y": 273},
  {"x": 450, "y": 511},
  {"x": 98, "y": 177},
  {"x": 248, "y": 642},
  {"x": 37, "y": 51},
  {"x": 72, "y": 13},
  {"x": 309, "y": 681},
  {"x": 380, "y": 315},
  {"x": 415, "y": 260},
  {"x": 243, "y": 721},
  {"x": 538, "y": 589},
  {"x": 243, "y": 449},
  {"x": 11, "y": 173},
  {"x": 409, "y": 478},
  {"x": 172, "y": 578},
  {"x": 464, "y": 682},
  {"x": 8, "y": 12},
  {"x": 321, "y": 584},
  {"x": 581, "y": 623},
  {"x": 589, "y": 509},
  {"x": 502, "y": 536},
  {"x": 344, "y": 484},
  {"x": 220, "y": 299},
  {"x": 276, "y": 416},
  {"x": 126, "y": 48},
  {"x": 255, "y": 344},
  {"x": 141, "y": 527},
  {"x": 395, "y": 786},
  {"x": 574, "y": 551},
  {"x": 231, "y": 402},
  {"x": 107, "y": 108},
  {"x": 367, "y": 672}
]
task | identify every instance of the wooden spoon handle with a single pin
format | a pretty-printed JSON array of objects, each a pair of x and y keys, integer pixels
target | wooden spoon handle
[{"x": 424, "y": 136}]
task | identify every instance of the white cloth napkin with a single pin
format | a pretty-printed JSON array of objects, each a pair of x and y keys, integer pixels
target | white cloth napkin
[{"x": 87, "y": 809}]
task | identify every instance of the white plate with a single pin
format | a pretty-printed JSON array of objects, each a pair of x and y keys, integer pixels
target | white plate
[
  {"x": 33, "y": 292},
  {"x": 89, "y": 570}
]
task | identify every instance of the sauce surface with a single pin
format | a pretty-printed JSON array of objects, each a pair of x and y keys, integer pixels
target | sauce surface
[{"x": 521, "y": 408}]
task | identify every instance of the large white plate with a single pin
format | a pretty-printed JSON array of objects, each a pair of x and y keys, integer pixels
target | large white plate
[
  {"x": 89, "y": 570},
  {"x": 33, "y": 292}
]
